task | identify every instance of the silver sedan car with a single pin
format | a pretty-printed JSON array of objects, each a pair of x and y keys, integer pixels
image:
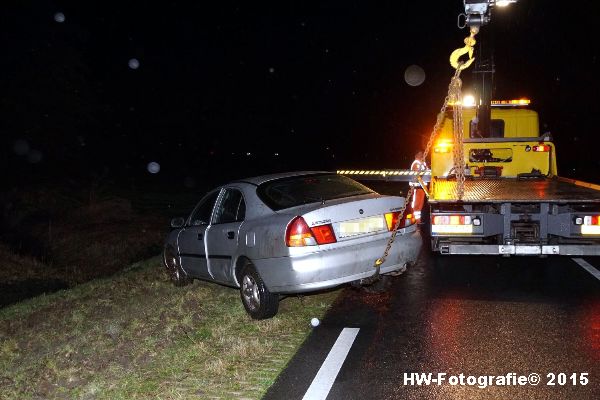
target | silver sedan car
[{"x": 289, "y": 233}]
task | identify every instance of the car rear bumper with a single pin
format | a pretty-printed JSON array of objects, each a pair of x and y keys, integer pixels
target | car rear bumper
[{"x": 328, "y": 268}]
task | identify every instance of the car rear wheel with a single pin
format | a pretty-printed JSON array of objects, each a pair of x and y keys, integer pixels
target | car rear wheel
[
  {"x": 258, "y": 301},
  {"x": 176, "y": 274}
]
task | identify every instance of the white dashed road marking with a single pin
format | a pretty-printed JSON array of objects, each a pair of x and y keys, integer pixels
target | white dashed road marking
[
  {"x": 321, "y": 385},
  {"x": 588, "y": 267}
]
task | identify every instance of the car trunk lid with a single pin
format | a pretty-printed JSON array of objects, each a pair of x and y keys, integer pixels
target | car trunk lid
[{"x": 351, "y": 217}]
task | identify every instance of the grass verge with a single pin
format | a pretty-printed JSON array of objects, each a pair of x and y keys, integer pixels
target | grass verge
[{"x": 134, "y": 335}]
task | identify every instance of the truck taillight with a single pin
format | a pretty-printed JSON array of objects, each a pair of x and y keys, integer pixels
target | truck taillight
[
  {"x": 299, "y": 234},
  {"x": 452, "y": 220},
  {"x": 590, "y": 224},
  {"x": 542, "y": 148},
  {"x": 453, "y": 224}
]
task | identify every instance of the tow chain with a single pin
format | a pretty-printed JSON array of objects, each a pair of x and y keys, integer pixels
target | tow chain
[{"x": 454, "y": 98}]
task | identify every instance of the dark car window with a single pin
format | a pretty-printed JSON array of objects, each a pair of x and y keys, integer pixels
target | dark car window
[
  {"x": 232, "y": 207},
  {"x": 203, "y": 210},
  {"x": 496, "y": 129},
  {"x": 294, "y": 191}
]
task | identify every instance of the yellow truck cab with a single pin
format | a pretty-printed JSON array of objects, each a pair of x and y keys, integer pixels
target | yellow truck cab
[{"x": 514, "y": 146}]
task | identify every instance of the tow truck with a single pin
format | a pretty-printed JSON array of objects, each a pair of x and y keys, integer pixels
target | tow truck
[
  {"x": 514, "y": 202},
  {"x": 509, "y": 199}
]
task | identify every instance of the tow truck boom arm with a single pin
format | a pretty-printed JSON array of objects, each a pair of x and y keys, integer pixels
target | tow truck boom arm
[{"x": 477, "y": 12}]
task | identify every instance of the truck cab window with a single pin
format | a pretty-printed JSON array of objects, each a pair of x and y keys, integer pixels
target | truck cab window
[{"x": 496, "y": 129}]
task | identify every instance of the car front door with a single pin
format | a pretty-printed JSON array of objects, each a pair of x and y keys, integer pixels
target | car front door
[
  {"x": 222, "y": 237},
  {"x": 192, "y": 239}
]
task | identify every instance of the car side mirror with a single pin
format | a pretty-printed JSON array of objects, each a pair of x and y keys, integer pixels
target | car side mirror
[{"x": 178, "y": 222}]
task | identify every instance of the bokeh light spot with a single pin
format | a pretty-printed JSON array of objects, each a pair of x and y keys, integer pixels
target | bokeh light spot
[
  {"x": 153, "y": 167},
  {"x": 134, "y": 63},
  {"x": 414, "y": 75},
  {"x": 59, "y": 17}
]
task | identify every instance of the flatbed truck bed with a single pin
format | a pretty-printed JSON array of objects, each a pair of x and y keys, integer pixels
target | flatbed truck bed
[{"x": 556, "y": 190}]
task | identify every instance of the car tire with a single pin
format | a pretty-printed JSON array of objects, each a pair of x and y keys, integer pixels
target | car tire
[
  {"x": 256, "y": 298},
  {"x": 176, "y": 274}
]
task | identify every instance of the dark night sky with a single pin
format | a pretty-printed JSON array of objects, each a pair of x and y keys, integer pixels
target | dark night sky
[{"x": 319, "y": 83}]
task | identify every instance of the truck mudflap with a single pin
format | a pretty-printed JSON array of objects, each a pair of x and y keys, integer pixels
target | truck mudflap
[{"x": 520, "y": 249}]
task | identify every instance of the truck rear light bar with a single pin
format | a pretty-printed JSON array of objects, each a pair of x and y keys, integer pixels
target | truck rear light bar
[
  {"x": 452, "y": 220},
  {"x": 590, "y": 224},
  {"x": 453, "y": 223},
  {"x": 512, "y": 102}
]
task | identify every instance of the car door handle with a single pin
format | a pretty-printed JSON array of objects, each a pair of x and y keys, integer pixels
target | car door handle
[
  {"x": 200, "y": 236},
  {"x": 230, "y": 235}
]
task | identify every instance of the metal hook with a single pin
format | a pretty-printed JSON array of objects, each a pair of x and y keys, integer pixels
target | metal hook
[{"x": 468, "y": 49}]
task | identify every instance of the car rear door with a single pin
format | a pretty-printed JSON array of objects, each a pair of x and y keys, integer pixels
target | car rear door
[
  {"x": 223, "y": 235},
  {"x": 192, "y": 239}
]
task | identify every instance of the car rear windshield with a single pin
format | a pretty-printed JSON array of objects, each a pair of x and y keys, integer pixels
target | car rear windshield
[{"x": 297, "y": 190}]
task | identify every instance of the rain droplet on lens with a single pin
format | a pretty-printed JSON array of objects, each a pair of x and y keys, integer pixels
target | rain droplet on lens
[
  {"x": 134, "y": 63},
  {"x": 153, "y": 167},
  {"x": 21, "y": 147},
  {"x": 34, "y": 156},
  {"x": 59, "y": 17}
]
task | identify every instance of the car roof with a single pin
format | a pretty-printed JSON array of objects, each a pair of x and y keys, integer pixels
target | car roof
[{"x": 257, "y": 180}]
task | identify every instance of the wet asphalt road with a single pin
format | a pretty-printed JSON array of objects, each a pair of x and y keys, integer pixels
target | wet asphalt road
[{"x": 470, "y": 315}]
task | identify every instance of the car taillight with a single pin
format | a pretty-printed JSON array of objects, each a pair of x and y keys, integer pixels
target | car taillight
[
  {"x": 392, "y": 218},
  {"x": 324, "y": 234},
  {"x": 543, "y": 148},
  {"x": 299, "y": 234}
]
